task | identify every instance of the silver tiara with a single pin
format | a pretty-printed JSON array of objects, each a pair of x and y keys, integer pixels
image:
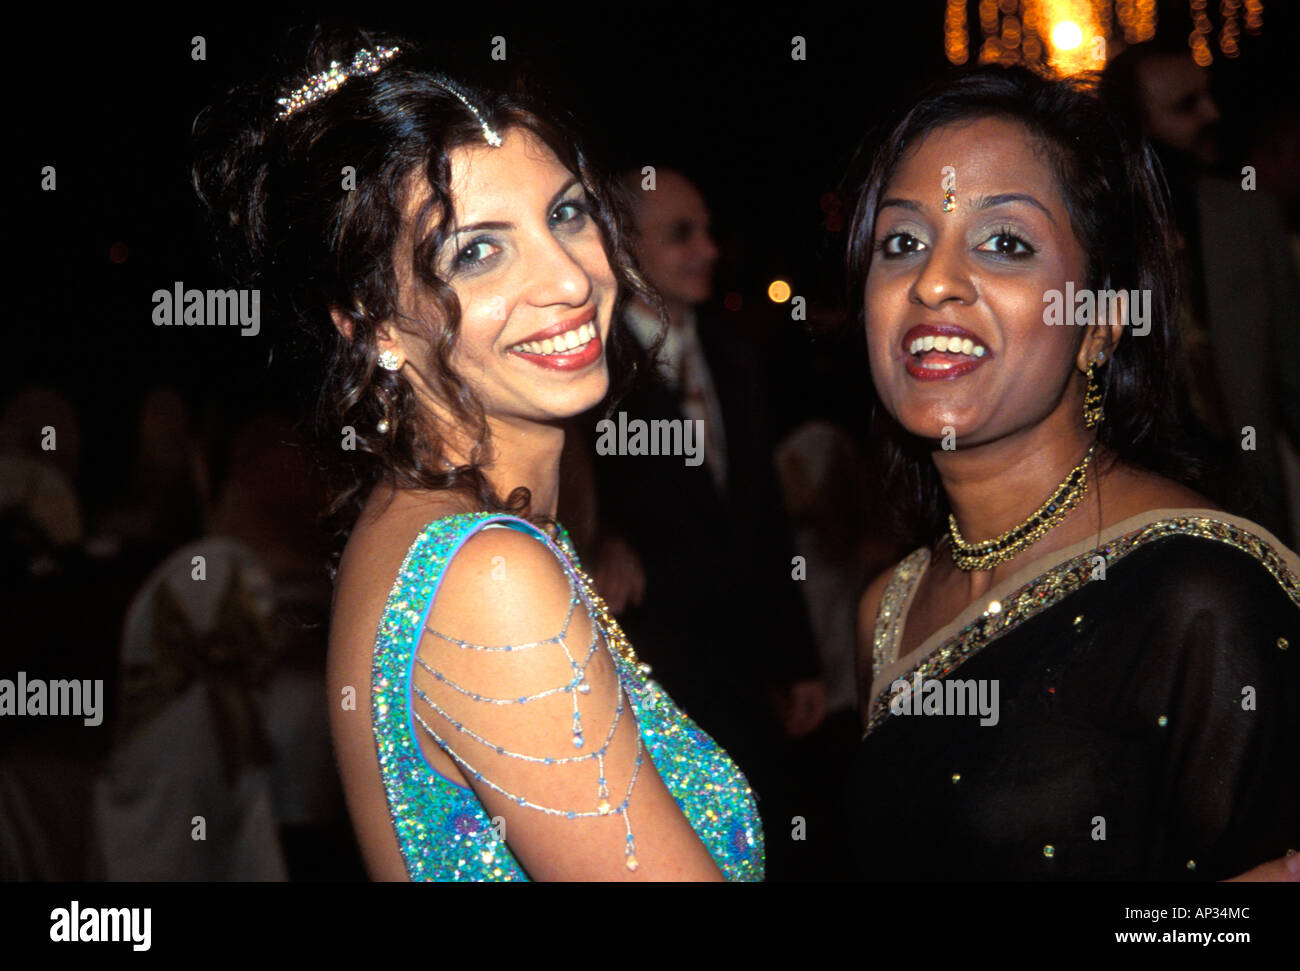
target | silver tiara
[{"x": 367, "y": 61}]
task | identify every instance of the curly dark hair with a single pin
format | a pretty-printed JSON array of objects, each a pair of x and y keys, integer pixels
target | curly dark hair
[
  {"x": 284, "y": 223},
  {"x": 1119, "y": 208}
]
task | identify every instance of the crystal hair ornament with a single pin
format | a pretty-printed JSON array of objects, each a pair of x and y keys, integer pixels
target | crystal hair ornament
[
  {"x": 370, "y": 61},
  {"x": 489, "y": 133},
  {"x": 365, "y": 61}
]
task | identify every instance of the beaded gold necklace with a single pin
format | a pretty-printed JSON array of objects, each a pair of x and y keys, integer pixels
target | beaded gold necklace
[{"x": 999, "y": 549}]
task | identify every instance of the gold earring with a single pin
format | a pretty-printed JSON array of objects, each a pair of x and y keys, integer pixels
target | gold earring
[{"x": 1092, "y": 414}]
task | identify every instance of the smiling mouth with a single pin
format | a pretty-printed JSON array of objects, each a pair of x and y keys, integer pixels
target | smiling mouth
[
  {"x": 934, "y": 352},
  {"x": 944, "y": 352},
  {"x": 946, "y": 345},
  {"x": 566, "y": 343}
]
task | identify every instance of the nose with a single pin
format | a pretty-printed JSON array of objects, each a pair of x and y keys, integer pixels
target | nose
[
  {"x": 557, "y": 276},
  {"x": 942, "y": 275},
  {"x": 1209, "y": 110},
  {"x": 706, "y": 248}
]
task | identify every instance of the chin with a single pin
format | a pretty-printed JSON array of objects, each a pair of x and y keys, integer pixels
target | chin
[
  {"x": 932, "y": 425},
  {"x": 690, "y": 292},
  {"x": 581, "y": 399}
]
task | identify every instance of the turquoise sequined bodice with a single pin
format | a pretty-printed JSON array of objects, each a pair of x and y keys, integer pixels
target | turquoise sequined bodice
[{"x": 442, "y": 829}]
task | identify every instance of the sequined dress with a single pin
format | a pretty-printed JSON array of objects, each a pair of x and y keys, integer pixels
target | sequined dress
[
  {"x": 1127, "y": 709},
  {"x": 441, "y": 827}
]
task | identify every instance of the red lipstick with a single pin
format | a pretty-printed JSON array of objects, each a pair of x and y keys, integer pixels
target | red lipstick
[
  {"x": 586, "y": 317},
  {"x": 571, "y": 360},
  {"x": 937, "y": 362}
]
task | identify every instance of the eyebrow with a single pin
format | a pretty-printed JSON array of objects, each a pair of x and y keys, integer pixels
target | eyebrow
[
  {"x": 475, "y": 227},
  {"x": 982, "y": 202},
  {"x": 988, "y": 202}
]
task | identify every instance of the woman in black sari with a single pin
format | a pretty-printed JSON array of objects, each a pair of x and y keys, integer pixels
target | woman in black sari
[{"x": 1087, "y": 670}]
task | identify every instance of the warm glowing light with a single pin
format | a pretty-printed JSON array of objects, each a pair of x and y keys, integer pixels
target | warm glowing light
[
  {"x": 1074, "y": 37},
  {"x": 1070, "y": 36},
  {"x": 955, "y": 38},
  {"x": 1067, "y": 36},
  {"x": 778, "y": 291}
]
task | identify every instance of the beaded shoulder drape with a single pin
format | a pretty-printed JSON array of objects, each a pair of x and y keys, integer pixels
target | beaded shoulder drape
[{"x": 441, "y": 827}]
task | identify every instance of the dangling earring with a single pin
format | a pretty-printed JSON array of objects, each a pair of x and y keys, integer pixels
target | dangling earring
[
  {"x": 389, "y": 361},
  {"x": 383, "y": 424},
  {"x": 1092, "y": 414}
]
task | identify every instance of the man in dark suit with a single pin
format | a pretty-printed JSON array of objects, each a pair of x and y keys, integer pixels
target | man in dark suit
[
  {"x": 1240, "y": 319},
  {"x": 694, "y": 555}
]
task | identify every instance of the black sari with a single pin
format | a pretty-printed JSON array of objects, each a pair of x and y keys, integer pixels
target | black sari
[{"x": 1146, "y": 725}]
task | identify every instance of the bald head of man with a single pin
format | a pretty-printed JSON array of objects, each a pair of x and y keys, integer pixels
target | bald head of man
[{"x": 673, "y": 240}]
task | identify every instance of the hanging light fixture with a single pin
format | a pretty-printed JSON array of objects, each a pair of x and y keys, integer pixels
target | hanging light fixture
[{"x": 1065, "y": 37}]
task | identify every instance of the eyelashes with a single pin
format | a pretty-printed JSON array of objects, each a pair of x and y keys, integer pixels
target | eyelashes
[
  {"x": 1013, "y": 244},
  {"x": 570, "y": 215},
  {"x": 1023, "y": 247},
  {"x": 581, "y": 206},
  {"x": 465, "y": 258},
  {"x": 895, "y": 245}
]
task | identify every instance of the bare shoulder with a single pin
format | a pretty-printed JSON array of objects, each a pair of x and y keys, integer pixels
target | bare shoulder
[
  {"x": 500, "y": 584},
  {"x": 1129, "y": 490},
  {"x": 371, "y": 560}
]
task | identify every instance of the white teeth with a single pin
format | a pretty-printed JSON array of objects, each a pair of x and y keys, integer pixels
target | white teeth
[
  {"x": 947, "y": 345},
  {"x": 561, "y": 343}
]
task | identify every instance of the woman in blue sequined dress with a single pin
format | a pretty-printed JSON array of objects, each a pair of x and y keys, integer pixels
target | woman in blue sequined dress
[{"x": 465, "y": 270}]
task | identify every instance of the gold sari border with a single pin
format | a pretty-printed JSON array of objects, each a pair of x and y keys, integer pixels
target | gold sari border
[{"x": 1055, "y": 584}]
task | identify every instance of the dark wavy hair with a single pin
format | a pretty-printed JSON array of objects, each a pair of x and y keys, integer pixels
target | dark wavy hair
[
  {"x": 273, "y": 190},
  {"x": 1119, "y": 209}
]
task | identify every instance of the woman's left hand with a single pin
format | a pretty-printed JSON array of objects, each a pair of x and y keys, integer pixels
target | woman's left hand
[{"x": 1283, "y": 870}]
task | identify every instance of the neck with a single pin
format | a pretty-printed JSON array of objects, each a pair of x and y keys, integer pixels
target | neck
[
  {"x": 524, "y": 454},
  {"x": 994, "y": 487}
]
